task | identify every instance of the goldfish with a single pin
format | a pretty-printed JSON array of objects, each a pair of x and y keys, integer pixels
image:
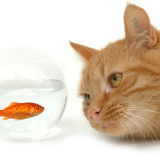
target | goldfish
[{"x": 20, "y": 111}]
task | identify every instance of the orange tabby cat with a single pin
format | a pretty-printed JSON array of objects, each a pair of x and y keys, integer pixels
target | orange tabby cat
[{"x": 121, "y": 83}]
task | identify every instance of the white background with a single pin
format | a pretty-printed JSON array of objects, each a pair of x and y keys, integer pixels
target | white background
[{"x": 48, "y": 25}]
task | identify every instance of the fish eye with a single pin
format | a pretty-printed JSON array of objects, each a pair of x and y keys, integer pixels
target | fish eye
[
  {"x": 115, "y": 79},
  {"x": 38, "y": 107},
  {"x": 87, "y": 97}
]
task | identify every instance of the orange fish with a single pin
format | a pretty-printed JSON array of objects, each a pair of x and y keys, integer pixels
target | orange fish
[{"x": 21, "y": 111}]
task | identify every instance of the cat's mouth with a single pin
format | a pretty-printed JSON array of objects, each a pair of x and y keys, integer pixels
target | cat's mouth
[
  {"x": 107, "y": 124},
  {"x": 111, "y": 128}
]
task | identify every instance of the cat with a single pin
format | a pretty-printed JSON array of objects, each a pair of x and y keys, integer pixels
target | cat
[{"x": 120, "y": 83}]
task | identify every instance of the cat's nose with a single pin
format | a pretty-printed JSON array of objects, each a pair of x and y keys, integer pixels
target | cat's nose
[{"x": 94, "y": 113}]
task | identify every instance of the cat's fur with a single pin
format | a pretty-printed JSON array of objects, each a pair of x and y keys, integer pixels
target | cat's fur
[{"x": 133, "y": 108}]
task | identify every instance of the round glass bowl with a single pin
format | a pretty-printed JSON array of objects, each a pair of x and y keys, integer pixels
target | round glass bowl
[{"x": 27, "y": 80}]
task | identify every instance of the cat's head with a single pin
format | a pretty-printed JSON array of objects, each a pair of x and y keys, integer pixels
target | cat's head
[{"x": 120, "y": 84}]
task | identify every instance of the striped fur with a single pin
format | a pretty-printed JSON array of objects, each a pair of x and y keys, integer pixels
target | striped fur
[{"x": 133, "y": 108}]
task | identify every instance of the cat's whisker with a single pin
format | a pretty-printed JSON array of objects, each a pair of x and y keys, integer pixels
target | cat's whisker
[
  {"x": 122, "y": 124},
  {"x": 145, "y": 121},
  {"x": 137, "y": 109},
  {"x": 143, "y": 102},
  {"x": 124, "y": 110},
  {"x": 141, "y": 108},
  {"x": 145, "y": 132},
  {"x": 147, "y": 104},
  {"x": 120, "y": 113},
  {"x": 140, "y": 128}
]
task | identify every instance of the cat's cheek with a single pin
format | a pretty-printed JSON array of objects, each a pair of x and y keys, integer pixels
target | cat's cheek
[{"x": 85, "y": 111}]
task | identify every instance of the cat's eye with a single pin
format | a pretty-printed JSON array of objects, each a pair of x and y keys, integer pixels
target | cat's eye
[
  {"x": 115, "y": 79},
  {"x": 87, "y": 97}
]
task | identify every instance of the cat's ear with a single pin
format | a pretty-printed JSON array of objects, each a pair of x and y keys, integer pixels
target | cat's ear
[
  {"x": 138, "y": 27},
  {"x": 84, "y": 51}
]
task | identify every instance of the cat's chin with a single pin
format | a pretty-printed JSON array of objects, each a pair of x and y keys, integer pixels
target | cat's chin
[{"x": 110, "y": 128}]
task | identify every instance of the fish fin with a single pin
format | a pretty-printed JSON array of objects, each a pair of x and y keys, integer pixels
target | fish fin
[
  {"x": 11, "y": 105},
  {"x": 5, "y": 118},
  {"x": 17, "y": 119}
]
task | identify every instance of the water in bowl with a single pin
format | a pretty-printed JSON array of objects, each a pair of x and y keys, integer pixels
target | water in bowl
[{"x": 51, "y": 94}]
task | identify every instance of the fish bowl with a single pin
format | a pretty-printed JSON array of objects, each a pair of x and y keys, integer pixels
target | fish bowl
[{"x": 33, "y": 94}]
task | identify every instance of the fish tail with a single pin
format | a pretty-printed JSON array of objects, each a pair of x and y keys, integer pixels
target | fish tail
[{"x": 2, "y": 113}]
